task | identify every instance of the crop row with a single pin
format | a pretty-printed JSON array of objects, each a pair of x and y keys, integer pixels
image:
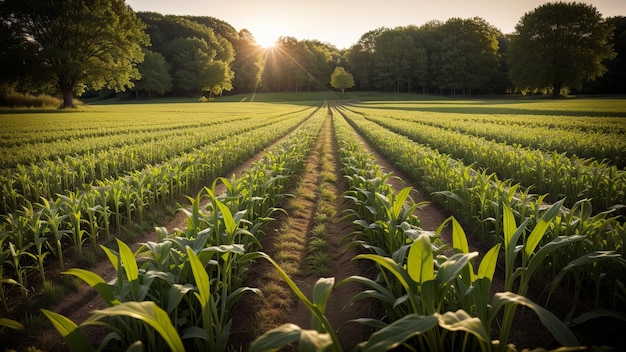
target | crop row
[
  {"x": 604, "y": 117},
  {"x": 556, "y": 174},
  {"x": 64, "y": 146},
  {"x": 605, "y": 142},
  {"x": 191, "y": 279},
  {"x": 478, "y": 200},
  {"x": 30, "y": 183},
  {"x": 40, "y": 229},
  {"x": 18, "y": 130},
  {"x": 429, "y": 301}
]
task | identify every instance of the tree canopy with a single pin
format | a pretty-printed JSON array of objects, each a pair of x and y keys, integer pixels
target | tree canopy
[
  {"x": 155, "y": 76},
  {"x": 68, "y": 46},
  {"x": 199, "y": 58},
  {"x": 456, "y": 55},
  {"x": 559, "y": 45},
  {"x": 74, "y": 44},
  {"x": 341, "y": 79}
]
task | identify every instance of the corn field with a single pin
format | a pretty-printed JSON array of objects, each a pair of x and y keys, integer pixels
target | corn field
[{"x": 544, "y": 191}]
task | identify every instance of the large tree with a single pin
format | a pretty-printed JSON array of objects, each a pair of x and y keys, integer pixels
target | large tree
[
  {"x": 466, "y": 55},
  {"x": 559, "y": 45},
  {"x": 76, "y": 44}
]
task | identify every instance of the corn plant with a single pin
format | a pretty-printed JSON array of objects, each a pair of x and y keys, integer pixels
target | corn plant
[
  {"x": 54, "y": 221},
  {"x": 5, "y": 281},
  {"x": 147, "y": 315},
  {"x": 73, "y": 206},
  {"x": 440, "y": 173},
  {"x": 20, "y": 261},
  {"x": 445, "y": 293}
]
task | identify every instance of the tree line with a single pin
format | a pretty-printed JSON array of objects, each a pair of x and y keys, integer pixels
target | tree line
[{"x": 69, "y": 47}]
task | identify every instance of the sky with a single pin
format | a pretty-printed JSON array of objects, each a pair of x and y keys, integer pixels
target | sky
[{"x": 343, "y": 22}]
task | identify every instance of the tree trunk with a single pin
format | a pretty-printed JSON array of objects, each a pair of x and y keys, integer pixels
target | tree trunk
[
  {"x": 557, "y": 90},
  {"x": 68, "y": 96}
]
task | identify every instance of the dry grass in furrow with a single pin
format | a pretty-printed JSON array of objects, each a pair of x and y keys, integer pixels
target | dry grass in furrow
[{"x": 307, "y": 244}]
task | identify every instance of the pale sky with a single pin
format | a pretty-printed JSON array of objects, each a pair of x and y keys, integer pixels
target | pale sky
[{"x": 343, "y": 22}]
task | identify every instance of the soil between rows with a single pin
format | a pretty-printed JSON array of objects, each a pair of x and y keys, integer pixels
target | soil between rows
[{"x": 78, "y": 306}]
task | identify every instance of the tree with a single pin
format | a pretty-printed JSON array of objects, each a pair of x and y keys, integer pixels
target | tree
[
  {"x": 195, "y": 67},
  {"x": 341, "y": 79},
  {"x": 76, "y": 44},
  {"x": 155, "y": 76},
  {"x": 559, "y": 45},
  {"x": 248, "y": 64},
  {"x": 467, "y": 54},
  {"x": 614, "y": 81},
  {"x": 394, "y": 54},
  {"x": 360, "y": 59}
]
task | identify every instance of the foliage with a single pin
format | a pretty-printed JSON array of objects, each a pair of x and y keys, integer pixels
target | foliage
[
  {"x": 195, "y": 65},
  {"x": 155, "y": 76},
  {"x": 559, "y": 45},
  {"x": 341, "y": 79},
  {"x": 64, "y": 48}
]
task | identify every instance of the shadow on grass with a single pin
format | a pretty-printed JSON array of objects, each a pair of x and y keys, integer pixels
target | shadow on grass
[{"x": 488, "y": 110}]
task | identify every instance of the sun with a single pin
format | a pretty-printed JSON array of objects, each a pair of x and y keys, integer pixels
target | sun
[
  {"x": 265, "y": 38},
  {"x": 266, "y": 43}
]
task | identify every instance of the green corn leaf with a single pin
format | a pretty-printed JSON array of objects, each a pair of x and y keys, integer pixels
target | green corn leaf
[
  {"x": 558, "y": 329},
  {"x": 452, "y": 267},
  {"x": 75, "y": 339},
  {"x": 276, "y": 338},
  {"x": 542, "y": 225},
  {"x": 112, "y": 255},
  {"x": 201, "y": 277},
  {"x": 487, "y": 266},
  {"x": 378, "y": 291},
  {"x": 371, "y": 323},
  {"x": 137, "y": 346},
  {"x": 420, "y": 263},
  {"x": 459, "y": 239},
  {"x": 11, "y": 324},
  {"x": 598, "y": 313},
  {"x": 98, "y": 284},
  {"x": 461, "y": 321},
  {"x": 176, "y": 294},
  {"x": 227, "y": 216},
  {"x": 509, "y": 226},
  {"x": 538, "y": 259},
  {"x": 128, "y": 261},
  {"x": 400, "y": 199},
  {"x": 388, "y": 264},
  {"x": 321, "y": 292},
  {"x": 399, "y": 331},
  {"x": 314, "y": 341},
  {"x": 147, "y": 312}
]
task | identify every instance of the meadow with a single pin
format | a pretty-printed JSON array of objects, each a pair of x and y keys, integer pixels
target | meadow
[{"x": 539, "y": 183}]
